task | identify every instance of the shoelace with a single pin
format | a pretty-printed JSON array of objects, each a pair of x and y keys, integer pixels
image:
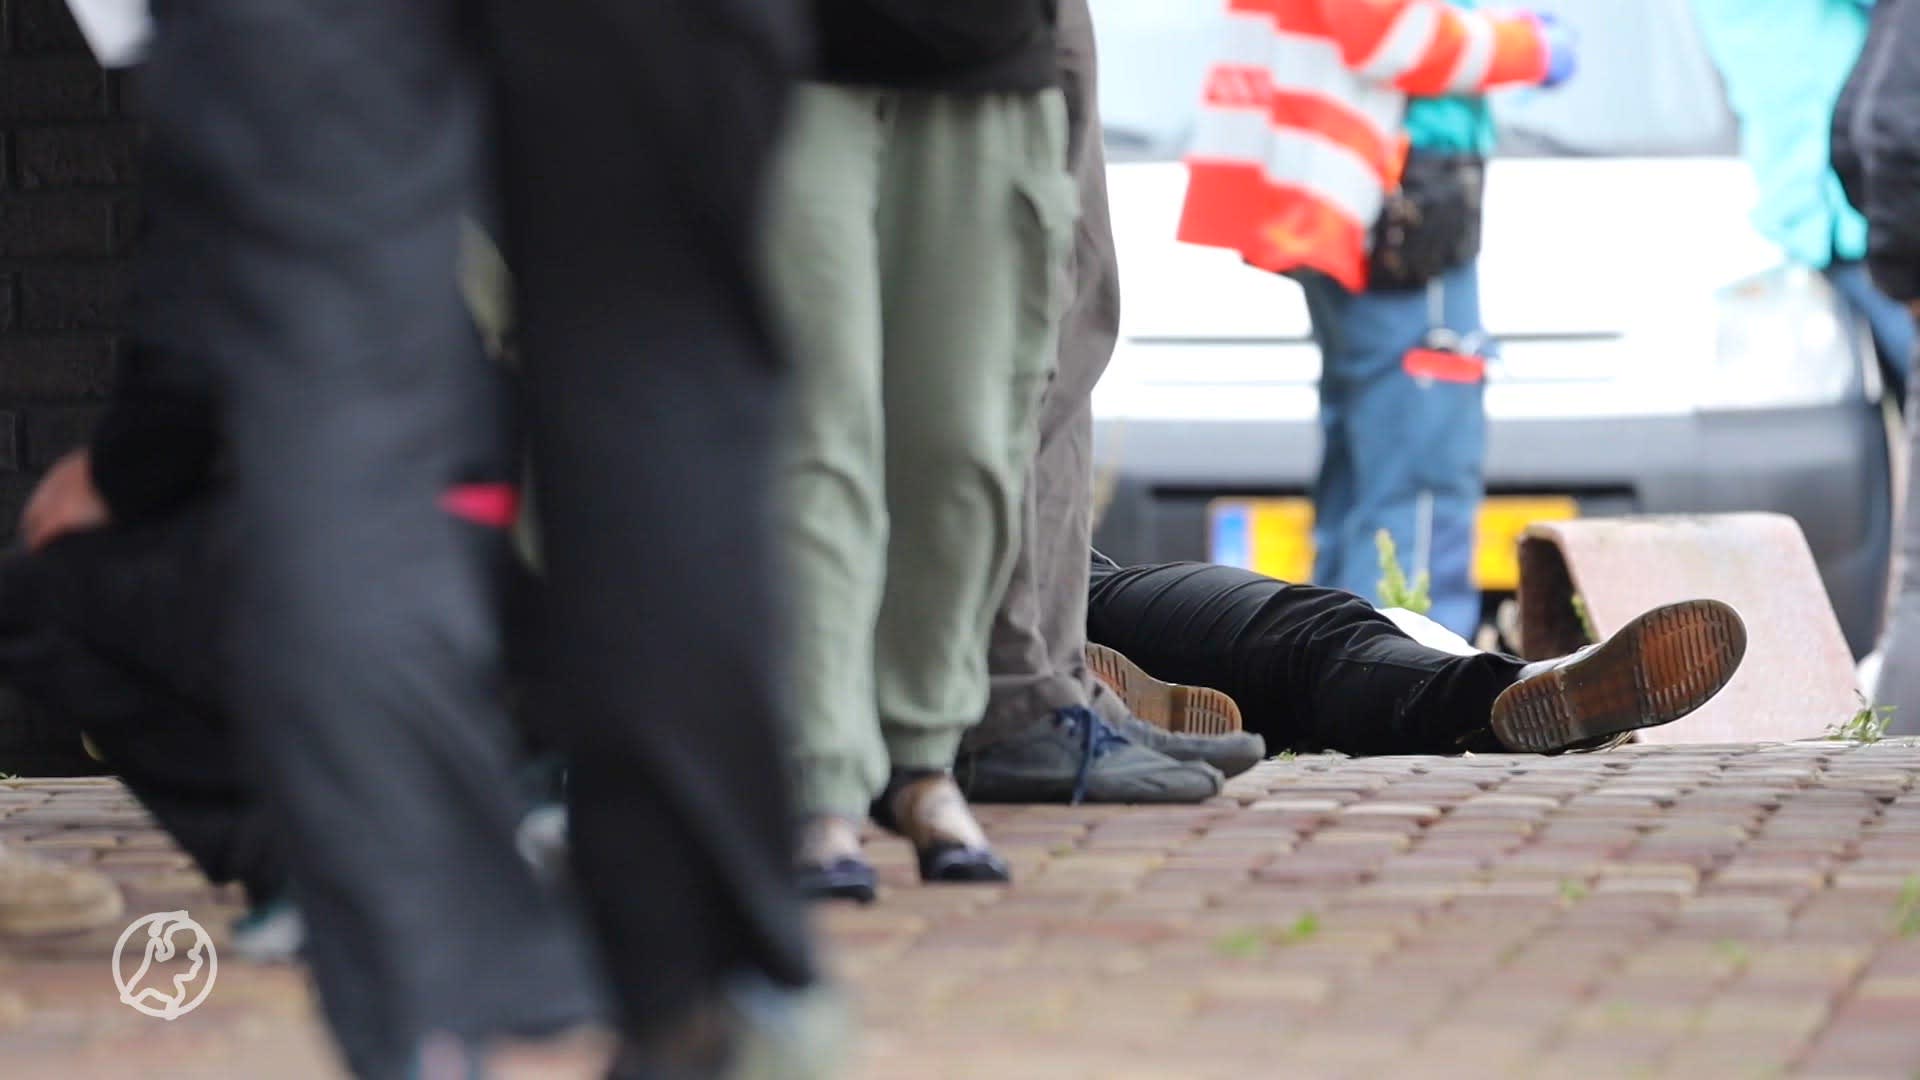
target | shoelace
[{"x": 1097, "y": 738}]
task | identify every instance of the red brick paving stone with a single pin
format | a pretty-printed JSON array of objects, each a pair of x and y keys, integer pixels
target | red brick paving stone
[
  {"x": 1865, "y": 1049},
  {"x": 1485, "y": 1047},
  {"x": 68, "y": 838},
  {"x": 1898, "y": 958},
  {"x": 1695, "y": 912}
]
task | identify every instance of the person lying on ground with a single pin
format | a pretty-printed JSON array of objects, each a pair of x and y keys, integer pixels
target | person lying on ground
[{"x": 1316, "y": 669}]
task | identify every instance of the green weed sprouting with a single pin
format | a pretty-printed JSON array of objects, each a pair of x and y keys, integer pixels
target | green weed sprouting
[
  {"x": 1581, "y": 612},
  {"x": 1869, "y": 725},
  {"x": 1395, "y": 590},
  {"x": 1252, "y": 941}
]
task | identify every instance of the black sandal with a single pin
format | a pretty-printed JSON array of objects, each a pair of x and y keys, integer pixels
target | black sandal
[{"x": 927, "y": 808}]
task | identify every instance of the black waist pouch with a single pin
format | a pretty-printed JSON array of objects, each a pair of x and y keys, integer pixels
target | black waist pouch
[{"x": 1431, "y": 224}]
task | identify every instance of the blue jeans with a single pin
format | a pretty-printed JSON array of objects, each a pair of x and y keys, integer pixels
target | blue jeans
[
  {"x": 1400, "y": 452},
  {"x": 1889, "y": 319}
]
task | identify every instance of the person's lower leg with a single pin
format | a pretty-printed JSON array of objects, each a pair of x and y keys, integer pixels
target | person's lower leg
[{"x": 1310, "y": 668}]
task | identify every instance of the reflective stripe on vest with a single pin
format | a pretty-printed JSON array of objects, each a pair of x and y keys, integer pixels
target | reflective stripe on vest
[
  {"x": 1409, "y": 39},
  {"x": 1301, "y": 133},
  {"x": 1295, "y": 157},
  {"x": 1470, "y": 71}
]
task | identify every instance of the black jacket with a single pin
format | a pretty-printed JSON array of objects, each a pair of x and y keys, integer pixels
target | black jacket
[
  {"x": 157, "y": 444},
  {"x": 1876, "y": 146},
  {"x": 959, "y": 46}
]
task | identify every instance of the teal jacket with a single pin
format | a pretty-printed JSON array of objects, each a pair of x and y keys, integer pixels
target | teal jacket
[
  {"x": 1451, "y": 125},
  {"x": 1784, "y": 62}
]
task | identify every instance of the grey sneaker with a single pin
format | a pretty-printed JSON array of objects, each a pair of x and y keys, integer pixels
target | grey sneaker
[
  {"x": 1078, "y": 757},
  {"x": 1232, "y": 753},
  {"x": 1193, "y": 710}
]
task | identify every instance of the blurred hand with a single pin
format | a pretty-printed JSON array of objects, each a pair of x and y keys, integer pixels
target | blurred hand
[
  {"x": 64, "y": 502},
  {"x": 1562, "y": 44}
]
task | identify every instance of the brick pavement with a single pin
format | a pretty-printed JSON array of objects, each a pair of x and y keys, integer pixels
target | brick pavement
[{"x": 1714, "y": 911}]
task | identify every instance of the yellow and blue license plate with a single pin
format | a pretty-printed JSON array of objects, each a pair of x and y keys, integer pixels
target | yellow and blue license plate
[{"x": 1274, "y": 536}]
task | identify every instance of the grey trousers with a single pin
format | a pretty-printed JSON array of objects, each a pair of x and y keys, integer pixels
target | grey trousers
[{"x": 1037, "y": 656}]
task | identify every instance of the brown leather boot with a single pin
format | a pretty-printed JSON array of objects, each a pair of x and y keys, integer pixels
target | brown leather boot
[{"x": 1660, "y": 667}]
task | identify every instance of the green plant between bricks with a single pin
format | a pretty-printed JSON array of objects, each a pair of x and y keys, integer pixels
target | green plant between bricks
[
  {"x": 1868, "y": 725},
  {"x": 1395, "y": 590}
]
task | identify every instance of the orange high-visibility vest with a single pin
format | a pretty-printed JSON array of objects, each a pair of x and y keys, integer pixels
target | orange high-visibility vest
[{"x": 1301, "y": 130}]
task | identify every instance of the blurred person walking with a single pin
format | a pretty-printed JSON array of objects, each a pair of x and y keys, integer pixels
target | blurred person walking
[
  {"x": 1876, "y": 150},
  {"x": 1051, "y": 732},
  {"x": 922, "y": 217},
  {"x": 1343, "y": 143},
  {"x": 310, "y": 163},
  {"x": 1784, "y": 63}
]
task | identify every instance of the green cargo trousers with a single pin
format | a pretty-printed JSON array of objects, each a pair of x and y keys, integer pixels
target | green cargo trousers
[{"x": 915, "y": 247}]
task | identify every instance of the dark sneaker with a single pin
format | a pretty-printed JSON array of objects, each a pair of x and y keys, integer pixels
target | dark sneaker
[
  {"x": 1662, "y": 666},
  {"x": 830, "y": 865},
  {"x": 1232, "y": 753},
  {"x": 1193, "y": 710},
  {"x": 1078, "y": 757},
  {"x": 270, "y": 933}
]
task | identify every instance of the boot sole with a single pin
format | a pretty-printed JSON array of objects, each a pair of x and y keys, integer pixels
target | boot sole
[
  {"x": 1662, "y": 666},
  {"x": 1186, "y": 710}
]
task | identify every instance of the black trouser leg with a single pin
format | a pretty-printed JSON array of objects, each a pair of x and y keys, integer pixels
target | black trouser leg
[
  {"x": 176, "y": 759},
  {"x": 637, "y": 135},
  {"x": 114, "y": 631},
  {"x": 312, "y": 159},
  {"x": 1311, "y": 668},
  {"x": 175, "y": 753}
]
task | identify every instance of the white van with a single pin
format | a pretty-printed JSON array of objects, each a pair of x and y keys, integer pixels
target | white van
[{"x": 1657, "y": 355}]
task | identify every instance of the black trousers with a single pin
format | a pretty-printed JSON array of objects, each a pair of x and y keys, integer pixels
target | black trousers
[
  {"x": 1311, "y": 668},
  {"x": 310, "y": 163},
  {"x": 118, "y": 634},
  {"x": 115, "y": 633}
]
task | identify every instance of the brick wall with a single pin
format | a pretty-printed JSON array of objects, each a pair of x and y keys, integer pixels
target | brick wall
[{"x": 67, "y": 216}]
